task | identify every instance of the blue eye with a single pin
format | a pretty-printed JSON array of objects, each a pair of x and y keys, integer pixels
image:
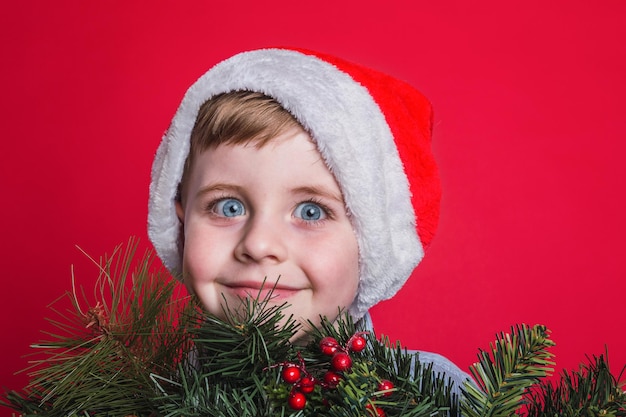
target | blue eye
[
  {"x": 310, "y": 212},
  {"x": 229, "y": 207}
]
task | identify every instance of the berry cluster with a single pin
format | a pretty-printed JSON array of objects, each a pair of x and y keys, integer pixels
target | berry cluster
[
  {"x": 304, "y": 383},
  {"x": 340, "y": 358}
]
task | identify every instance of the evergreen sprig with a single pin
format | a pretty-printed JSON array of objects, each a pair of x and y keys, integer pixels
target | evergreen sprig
[
  {"x": 418, "y": 390},
  {"x": 517, "y": 361},
  {"x": 230, "y": 367},
  {"x": 254, "y": 336},
  {"x": 590, "y": 391},
  {"x": 235, "y": 370},
  {"x": 100, "y": 360}
]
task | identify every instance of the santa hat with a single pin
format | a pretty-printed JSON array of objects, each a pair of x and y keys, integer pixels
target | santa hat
[{"x": 373, "y": 132}]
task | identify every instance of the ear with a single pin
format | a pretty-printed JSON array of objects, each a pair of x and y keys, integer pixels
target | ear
[{"x": 180, "y": 212}]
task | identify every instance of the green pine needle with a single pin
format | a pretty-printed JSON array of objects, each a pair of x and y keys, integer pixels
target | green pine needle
[
  {"x": 591, "y": 391},
  {"x": 516, "y": 362},
  {"x": 101, "y": 358}
]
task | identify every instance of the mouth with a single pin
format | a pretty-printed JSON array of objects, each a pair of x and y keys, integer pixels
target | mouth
[{"x": 261, "y": 290}]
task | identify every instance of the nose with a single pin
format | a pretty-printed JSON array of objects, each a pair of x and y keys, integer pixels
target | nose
[{"x": 262, "y": 241}]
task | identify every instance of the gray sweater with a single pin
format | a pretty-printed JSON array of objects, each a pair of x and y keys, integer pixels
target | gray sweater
[{"x": 440, "y": 363}]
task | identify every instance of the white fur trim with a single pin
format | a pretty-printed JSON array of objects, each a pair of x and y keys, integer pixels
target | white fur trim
[{"x": 351, "y": 134}]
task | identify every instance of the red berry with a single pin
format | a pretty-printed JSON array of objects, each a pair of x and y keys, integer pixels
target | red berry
[
  {"x": 357, "y": 344},
  {"x": 374, "y": 411},
  {"x": 341, "y": 361},
  {"x": 332, "y": 379},
  {"x": 296, "y": 400},
  {"x": 329, "y": 345},
  {"x": 306, "y": 384},
  {"x": 385, "y": 385},
  {"x": 291, "y": 374}
]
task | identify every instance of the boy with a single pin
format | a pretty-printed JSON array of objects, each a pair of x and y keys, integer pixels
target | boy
[{"x": 299, "y": 166}]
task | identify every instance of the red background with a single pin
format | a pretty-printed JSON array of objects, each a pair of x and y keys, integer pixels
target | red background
[{"x": 529, "y": 134}]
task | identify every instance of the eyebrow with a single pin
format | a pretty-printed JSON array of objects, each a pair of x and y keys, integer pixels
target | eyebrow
[
  {"x": 318, "y": 190},
  {"x": 218, "y": 187},
  {"x": 306, "y": 190}
]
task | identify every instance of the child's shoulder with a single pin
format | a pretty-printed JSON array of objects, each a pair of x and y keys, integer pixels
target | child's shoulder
[{"x": 440, "y": 364}]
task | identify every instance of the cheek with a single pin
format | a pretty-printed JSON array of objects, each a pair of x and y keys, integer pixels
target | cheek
[
  {"x": 201, "y": 252},
  {"x": 337, "y": 270},
  {"x": 195, "y": 266},
  {"x": 199, "y": 279},
  {"x": 200, "y": 266},
  {"x": 350, "y": 278}
]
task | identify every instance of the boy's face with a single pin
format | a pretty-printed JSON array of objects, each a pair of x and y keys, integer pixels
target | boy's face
[{"x": 262, "y": 213}]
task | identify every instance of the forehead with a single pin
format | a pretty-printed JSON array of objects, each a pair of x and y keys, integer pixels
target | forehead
[{"x": 290, "y": 159}]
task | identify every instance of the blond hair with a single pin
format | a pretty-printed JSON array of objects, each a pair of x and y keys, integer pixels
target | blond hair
[{"x": 236, "y": 118}]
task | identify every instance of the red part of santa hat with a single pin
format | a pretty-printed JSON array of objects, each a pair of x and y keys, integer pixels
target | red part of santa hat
[
  {"x": 373, "y": 132},
  {"x": 409, "y": 116}
]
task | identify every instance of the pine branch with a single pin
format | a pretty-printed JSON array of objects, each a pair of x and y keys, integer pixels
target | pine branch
[
  {"x": 196, "y": 396},
  {"x": 417, "y": 381},
  {"x": 231, "y": 367},
  {"x": 254, "y": 337},
  {"x": 100, "y": 361},
  {"x": 418, "y": 390},
  {"x": 592, "y": 391},
  {"x": 516, "y": 361}
]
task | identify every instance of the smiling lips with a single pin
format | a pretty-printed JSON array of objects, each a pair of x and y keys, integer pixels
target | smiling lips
[{"x": 261, "y": 290}]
